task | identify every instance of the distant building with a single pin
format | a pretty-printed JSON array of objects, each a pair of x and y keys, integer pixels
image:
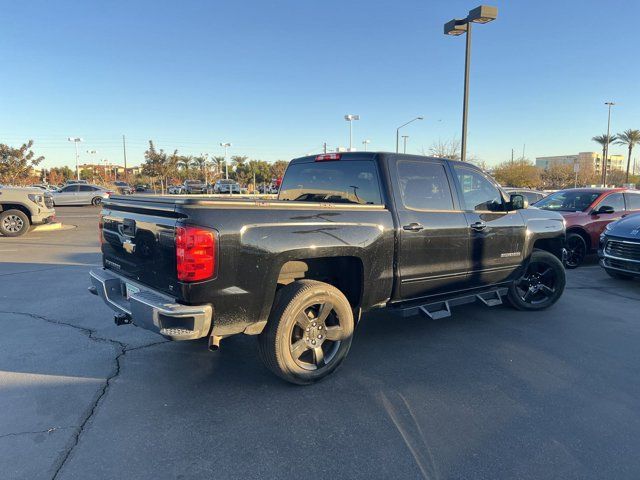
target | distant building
[{"x": 616, "y": 162}]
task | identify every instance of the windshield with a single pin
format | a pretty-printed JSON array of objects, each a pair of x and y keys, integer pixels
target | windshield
[
  {"x": 333, "y": 182},
  {"x": 568, "y": 201},
  {"x": 193, "y": 182}
]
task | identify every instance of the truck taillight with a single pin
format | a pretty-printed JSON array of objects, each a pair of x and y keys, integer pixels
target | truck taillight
[
  {"x": 328, "y": 157},
  {"x": 195, "y": 253}
]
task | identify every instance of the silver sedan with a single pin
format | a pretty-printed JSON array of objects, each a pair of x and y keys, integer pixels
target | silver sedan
[{"x": 80, "y": 194}]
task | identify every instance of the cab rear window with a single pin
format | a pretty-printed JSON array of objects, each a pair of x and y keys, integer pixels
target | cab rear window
[{"x": 354, "y": 181}]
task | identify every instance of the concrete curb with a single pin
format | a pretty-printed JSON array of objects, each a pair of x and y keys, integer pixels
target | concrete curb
[{"x": 48, "y": 227}]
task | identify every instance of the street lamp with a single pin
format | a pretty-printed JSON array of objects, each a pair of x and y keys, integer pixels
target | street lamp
[
  {"x": 76, "y": 140},
  {"x": 350, "y": 118},
  {"x": 365, "y": 143},
  {"x": 606, "y": 146},
  {"x": 481, "y": 14},
  {"x": 226, "y": 167},
  {"x": 398, "y": 131},
  {"x": 404, "y": 139}
]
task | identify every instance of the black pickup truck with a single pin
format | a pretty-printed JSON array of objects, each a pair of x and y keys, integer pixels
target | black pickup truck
[{"x": 348, "y": 233}]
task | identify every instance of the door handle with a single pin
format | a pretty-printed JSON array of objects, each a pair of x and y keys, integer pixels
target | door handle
[
  {"x": 478, "y": 226},
  {"x": 413, "y": 227}
]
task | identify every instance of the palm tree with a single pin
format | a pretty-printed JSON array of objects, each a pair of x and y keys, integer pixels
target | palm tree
[
  {"x": 184, "y": 162},
  {"x": 604, "y": 140},
  {"x": 630, "y": 138}
]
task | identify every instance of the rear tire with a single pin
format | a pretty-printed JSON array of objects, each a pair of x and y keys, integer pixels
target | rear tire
[
  {"x": 96, "y": 201},
  {"x": 14, "y": 223},
  {"x": 576, "y": 250},
  {"x": 309, "y": 332},
  {"x": 541, "y": 285}
]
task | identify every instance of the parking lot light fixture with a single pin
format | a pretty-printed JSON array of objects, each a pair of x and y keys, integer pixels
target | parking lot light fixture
[
  {"x": 404, "y": 125},
  {"x": 481, "y": 14},
  {"x": 365, "y": 143},
  {"x": 76, "y": 140},
  {"x": 225, "y": 145},
  {"x": 351, "y": 118}
]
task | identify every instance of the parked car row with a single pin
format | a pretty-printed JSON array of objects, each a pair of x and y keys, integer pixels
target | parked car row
[
  {"x": 587, "y": 212},
  {"x": 200, "y": 187}
]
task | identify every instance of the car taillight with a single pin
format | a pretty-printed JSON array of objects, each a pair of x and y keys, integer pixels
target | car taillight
[
  {"x": 195, "y": 253},
  {"x": 100, "y": 229},
  {"x": 328, "y": 157}
]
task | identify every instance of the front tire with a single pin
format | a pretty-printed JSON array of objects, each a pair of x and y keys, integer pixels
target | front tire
[
  {"x": 541, "y": 285},
  {"x": 309, "y": 332},
  {"x": 576, "y": 250},
  {"x": 14, "y": 223}
]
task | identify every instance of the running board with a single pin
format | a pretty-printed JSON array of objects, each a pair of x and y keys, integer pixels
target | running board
[{"x": 442, "y": 309}]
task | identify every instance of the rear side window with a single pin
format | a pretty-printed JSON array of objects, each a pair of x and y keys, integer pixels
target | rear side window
[
  {"x": 614, "y": 200},
  {"x": 424, "y": 186},
  {"x": 87, "y": 188},
  {"x": 633, "y": 201},
  {"x": 354, "y": 181}
]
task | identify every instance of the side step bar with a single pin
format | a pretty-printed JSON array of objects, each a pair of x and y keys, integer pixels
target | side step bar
[{"x": 442, "y": 308}]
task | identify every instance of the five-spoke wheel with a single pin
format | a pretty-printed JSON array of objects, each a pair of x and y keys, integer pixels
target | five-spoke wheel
[
  {"x": 576, "y": 249},
  {"x": 541, "y": 285},
  {"x": 308, "y": 333}
]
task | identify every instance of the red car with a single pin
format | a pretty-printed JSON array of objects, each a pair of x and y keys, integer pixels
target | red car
[{"x": 587, "y": 211}]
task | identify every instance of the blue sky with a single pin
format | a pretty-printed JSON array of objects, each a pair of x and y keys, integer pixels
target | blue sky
[{"x": 275, "y": 78}]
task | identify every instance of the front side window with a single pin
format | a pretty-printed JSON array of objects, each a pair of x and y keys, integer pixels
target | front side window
[
  {"x": 70, "y": 189},
  {"x": 479, "y": 193},
  {"x": 352, "y": 181},
  {"x": 615, "y": 201},
  {"x": 424, "y": 186}
]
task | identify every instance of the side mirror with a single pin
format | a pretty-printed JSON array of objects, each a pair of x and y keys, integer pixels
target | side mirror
[
  {"x": 604, "y": 209},
  {"x": 517, "y": 201}
]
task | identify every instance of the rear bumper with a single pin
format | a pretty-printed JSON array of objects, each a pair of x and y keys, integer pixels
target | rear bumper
[{"x": 150, "y": 309}]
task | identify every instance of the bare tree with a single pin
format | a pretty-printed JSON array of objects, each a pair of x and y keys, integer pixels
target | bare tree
[{"x": 444, "y": 149}]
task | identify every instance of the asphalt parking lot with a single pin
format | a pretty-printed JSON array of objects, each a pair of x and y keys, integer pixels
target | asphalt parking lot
[{"x": 488, "y": 393}]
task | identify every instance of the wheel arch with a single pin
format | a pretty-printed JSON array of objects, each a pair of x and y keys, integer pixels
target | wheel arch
[
  {"x": 16, "y": 206},
  {"x": 583, "y": 233}
]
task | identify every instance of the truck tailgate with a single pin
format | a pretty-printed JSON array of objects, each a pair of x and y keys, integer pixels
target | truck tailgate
[{"x": 138, "y": 242}]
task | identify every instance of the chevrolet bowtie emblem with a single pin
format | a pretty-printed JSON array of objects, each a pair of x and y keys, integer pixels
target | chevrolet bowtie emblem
[{"x": 129, "y": 246}]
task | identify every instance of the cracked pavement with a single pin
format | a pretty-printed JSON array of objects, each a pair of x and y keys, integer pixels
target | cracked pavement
[{"x": 489, "y": 393}]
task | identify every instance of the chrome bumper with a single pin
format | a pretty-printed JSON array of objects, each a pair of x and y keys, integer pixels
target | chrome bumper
[{"x": 150, "y": 309}]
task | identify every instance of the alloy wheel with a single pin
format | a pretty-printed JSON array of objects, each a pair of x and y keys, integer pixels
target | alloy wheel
[
  {"x": 316, "y": 336},
  {"x": 12, "y": 223},
  {"x": 538, "y": 284},
  {"x": 576, "y": 252}
]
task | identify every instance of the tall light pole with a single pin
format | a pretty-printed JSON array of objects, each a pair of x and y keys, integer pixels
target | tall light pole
[
  {"x": 404, "y": 141},
  {"x": 76, "y": 140},
  {"x": 481, "y": 14},
  {"x": 351, "y": 118},
  {"x": 226, "y": 166},
  {"x": 606, "y": 147},
  {"x": 398, "y": 131},
  {"x": 365, "y": 143}
]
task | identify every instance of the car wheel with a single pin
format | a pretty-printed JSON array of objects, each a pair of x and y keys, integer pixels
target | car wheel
[
  {"x": 541, "y": 285},
  {"x": 576, "y": 249},
  {"x": 308, "y": 333},
  {"x": 96, "y": 201},
  {"x": 618, "y": 275},
  {"x": 14, "y": 223}
]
